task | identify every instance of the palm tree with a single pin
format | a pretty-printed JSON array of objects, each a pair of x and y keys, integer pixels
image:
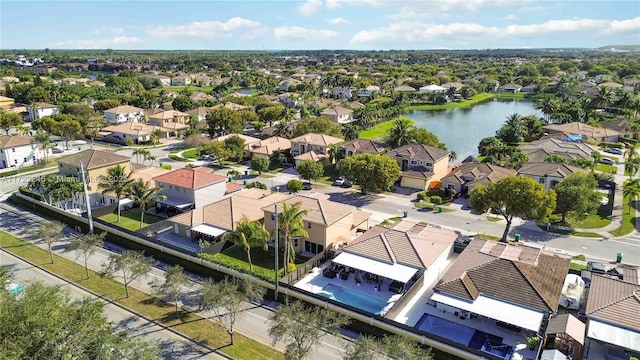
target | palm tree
[
  {"x": 156, "y": 135},
  {"x": 605, "y": 97},
  {"x": 631, "y": 190},
  {"x": 290, "y": 224},
  {"x": 45, "y": 139},
  {"x": 334, "y": 151},
  {"x": 143, "y": 194},
  {"x": 116, "y": 182},
  {"x": 140, "y": 153},
  {"x": 632, "y": 152},
  {"x": 150, "y": 158},
  {"x": 400, "y": 133},
  {"x": 248, "y": 234},
  {"x": 351, "y": 131},
  {"x": 632, "y": 166}
]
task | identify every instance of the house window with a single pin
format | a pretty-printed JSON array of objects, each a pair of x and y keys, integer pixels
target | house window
[
  {"x": 321, "y": 149},
  {"x": 15, "y": 161},
  {"x": 428, "y": 164},
  {"x": 413, "y": 162},
  {"x": 308, "y": 225},
  {"x": 34, "y": 158},
  {"x": 25, "y": 160},
  {"x": 13, "y": 149},
  {"x": 451, "y": 187}
]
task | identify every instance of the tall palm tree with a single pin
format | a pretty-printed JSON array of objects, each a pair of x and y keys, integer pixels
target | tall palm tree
[
  {"x": 400, "y": 133},
  {"x": 44, "y": 139},
  {"x": 117, "y": 182},
  {"x": 351, "y": 131},
  {"x": 605, "y": 97},
  {"x": 291, "y": 224},
  {"x": 334, "y": 151},
  {"x": 140, "y": 153},
  {"x": 143, "y": 194},
  {"x": 248, "y": 234},
  {"x": 631, "y": 166},
  {"x": 631, "y": 190},
  {"x": 632, "y": 152},
  {"x": 155, "y": 136}
]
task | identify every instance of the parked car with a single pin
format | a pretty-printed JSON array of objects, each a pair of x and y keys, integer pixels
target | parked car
[
  {"x": 595, "y": 267},
  {"x": 205, "y": 157},
  {"x": 56, "y": 151},
  {"x": 306, "y": 185},
  {"x": 347, "y": 184},
  {"x": 613, "y": 151},
  {"x": 339, "y": 181},
  {"x": 607, "y": 161}
]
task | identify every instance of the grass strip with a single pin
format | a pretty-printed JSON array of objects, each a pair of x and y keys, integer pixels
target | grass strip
[
  {"x": 380, "y": 130},
  {"x": 628, "y": 223},
  {"x": 453, "y": 104},
  {"x": 191, "y": 325}
]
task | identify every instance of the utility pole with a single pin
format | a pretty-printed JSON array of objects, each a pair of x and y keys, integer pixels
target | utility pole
[
  {"x": 276, "y": 248},
  {"x": 86, "y": 198}
]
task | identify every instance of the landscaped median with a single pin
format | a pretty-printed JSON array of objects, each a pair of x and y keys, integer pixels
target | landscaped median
[{"x": 191, "y": 325}]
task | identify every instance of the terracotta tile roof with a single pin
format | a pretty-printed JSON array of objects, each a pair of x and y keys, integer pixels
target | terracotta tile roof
[
  {"x": 233, "y": 187},
  {"x": 518, "y": 274},
  {"x": 567, "y": 324},
  {"x": 131, "y": 128},
  {"x": 123, "y": 109},
  {"x": 548, "y": 169},
  {"x": 320, "y": 211},
  {"x": 419, "y": 151},
  {"x": 92, "y": 159},
  {"x": 44, "y": 105},
  {"x": 195, "y": 178},
  {"x": 581, "y": 128},
  {"x": 336, "y": 111},
  {"x": 614, "y": 301},
  {"x": 269, "y": 145},
  {"x": 199, "y": 111},
  {"x": 419, "y": 172},
  {"x": 168, "y": 115},
  {"x": 311, "y": 155},
  {"x": 200, "y": 96},
  {"x": 146, "y": 173},
  {"x": 365, "y": 146},
  {"x": 7, "y": 141},
  {"x": 472, "y": 174},
  {"x": 317, "y": 139}
]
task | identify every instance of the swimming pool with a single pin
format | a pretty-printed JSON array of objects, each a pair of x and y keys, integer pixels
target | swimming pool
[{"x": 352, "y": 298}]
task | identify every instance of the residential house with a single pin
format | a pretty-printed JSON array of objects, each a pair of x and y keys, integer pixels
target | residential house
[
  {"x": 363, "y": 146},
  {"x": 214, "y": 219},
  {"x": 189, "y": 188},
  {"x": 609, "y": 84},
  {"x": 18, "y": 151},
  {"x": 548, "y": 174},
  {"x": 322, "y": 103},
  {"x": 181, "y": 80},
  {"x": 420, "y": 164},
  {"x": 432, "y": 89},
  {"x": 95, "y": 162},
  {"x": 529, "y": 89},
  {"x": 139, "y": 132},
  {"x": 405, "y": 88},
  {"x": 164, "y": 80},
  {"x": 326, "y": 222},
  {"x": 287, "y": 85},
  {"x": 613, "y": 319},
  {"x": 516, "y": 286},
  {"x": 201, "y": 96},
  {"x": 467, "y": 176},
  {"x": 455, "y": 85},
  {"x": 539, "y": 150},
  {"x": 368, "y": 91},
  {"x": 312, "y": 146},
  {"x": 200, "y": 112},
  {"x": 341, "y": 92},
  {"x": 6, "y": 101},
  {"x": 265, "y": 148},
  {"x": 173, "y": 122},
  {"x": 248, "y": 141},
  {"x": 624, "y": 127},
  {"x": 288, "y": 99},
  {"x": 124, "y": 113},
  {"x": 41, "y": 110},
  {"x": 201, "y": 79},
  {"x": 510, "y": 88},
  {"x": 587, "y": 131},
  {"x": 564, "y": 334},
  {"x": 338, "y": 114}
]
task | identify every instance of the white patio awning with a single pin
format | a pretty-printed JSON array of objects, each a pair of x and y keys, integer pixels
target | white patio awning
[
  {"x": 396, "y": 272},
  {"x": 614, "y": 335},
  {"x": 208, "y": 230},
  {"x": 495, "y": 309},
  {"x": 175, "y": 203}
]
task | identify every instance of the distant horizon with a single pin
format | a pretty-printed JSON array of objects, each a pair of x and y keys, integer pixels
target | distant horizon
[{"x": 285, "y": 25}]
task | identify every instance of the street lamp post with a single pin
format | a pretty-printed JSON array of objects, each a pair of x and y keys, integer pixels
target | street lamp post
[{"x": 276, "y": 250}]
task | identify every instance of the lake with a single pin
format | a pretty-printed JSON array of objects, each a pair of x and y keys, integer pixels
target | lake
[{"x": 462, "y": 129}]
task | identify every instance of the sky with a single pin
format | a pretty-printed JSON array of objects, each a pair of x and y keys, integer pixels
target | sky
[{"x": 318, "y": 24}]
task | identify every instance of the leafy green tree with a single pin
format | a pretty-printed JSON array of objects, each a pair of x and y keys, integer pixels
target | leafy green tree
[
  {"x": 335, "y": 153},
  {"x": 513, "y": 130},
  {"x": 632, "y": 166},
  {"x": 309, "y": 169},
  {"x": 260, "y": 164},
  {"x": 555, "y": 159},
  {"x": 217, "y": 149},
  {"x": 371, "y": 172},
  {"x": 86, "y": 245},
  {"x": 175, "y": 284},
  {"x": 317, "y": 125},
  {"x": 489, "y": 143},
  {"x": 222, "y": 121},
  {"x": 291, "y": 224},
  {"x": 116, "y": 182},
  {"x": 400, "y": 133},
  {"x": 577, "y": 194},
  {"x": 302, "y": 328},
  {"x": 50, "y": 232},
  {"x": 140, "y": 153},
  {"x": 514, "y": 196},
  {"x": 182, "y": 103},
  {"x": 9, "y": 120},
  {"x": 293, "y": 185},
  {"x": 93, "y": 124},
  {"x": 44, "y": 323},
  {"x": 130, "y": 264},
  {"x": 270, "y": 114},
  {"x": 257, "y": 185},
  {"x": 106, "y": 104},
  {"x": 389, "y": 347},
  {"x": 156, "y": 135},
  {"x": 68, "y": 130},
  {"x": 45, "y": 140},
  {"x": 248, "y": 234},
  {"x": 631, "y": 191},
  {"x": 235, "y": 146},
  {"x": 142, "y": 193}
]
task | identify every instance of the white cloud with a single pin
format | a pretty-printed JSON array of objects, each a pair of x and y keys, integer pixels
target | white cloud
[
  {"x": 338, "y": 21},
  {"x": 203, "y": 29},
  {"x": 337, "y": 4},
  {"x": 297, "y": 33},
  {"x": 510, "y": 17},
  {"x": 623, "y": 25},
  {"x": 441, "y": 8},
  {"x": 310, "y": 7},
  {"x": 118, "y": 42},
  {"x": 108, "y": 30}
]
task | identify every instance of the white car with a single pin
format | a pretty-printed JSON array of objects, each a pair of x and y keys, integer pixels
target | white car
[{"x": 339, "y": 181}]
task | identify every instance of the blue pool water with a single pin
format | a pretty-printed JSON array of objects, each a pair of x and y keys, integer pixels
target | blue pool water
[{"x": 352, "y": 298}]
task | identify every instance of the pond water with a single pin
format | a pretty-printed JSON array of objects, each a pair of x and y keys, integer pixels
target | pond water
[
  {"x": 462, "y": 129},
  {"x": 246, "y": 91}
]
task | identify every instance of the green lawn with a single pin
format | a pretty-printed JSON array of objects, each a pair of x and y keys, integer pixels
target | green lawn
[
  {"x": 628, "y": 219},
  {"x": 380, "y": 130},
  {"x": 593, "y": 221},
  {"x": 192, "y": 154},
  {"x": 431, "y": 206},
  {"x": 453, "y": 104},
  {"x": 329, "y": 176},
  {"x": 576, "y": 266},
  {"x": 176, "y": 158},
  {"x": 612, "y": 169},
  {"x": 519, "y": 95},
  {"x": 130, "y": 219},
  {"x": 188, "y": 324}
]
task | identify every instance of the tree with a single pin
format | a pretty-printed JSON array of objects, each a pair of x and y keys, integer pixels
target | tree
[
  {"x": 425, "y": 137},
  {"x": 156, "y": 135},
  {"x": 270, "y": 114},
  {"x": 248, "y": 234},
  {"x": 44, "y": 139},
  {"x": 86, "y": 245},
  {"x": 631, "y": 190},
  {"x": 335, "y": 153},
  {"x": 513, "y": 130},
  {"x": 309, "y": 169},
  {"x": 106, "y": 104},
  {"x": 317, "y": 125},
  {"x": 44, "y": 323},
  {"x": 222, "y": 121},
  {"x": 632, "y": 166},
  {"x": 140, "y": 153},
  {"x": 182, "y": 103},
  {"x": 9, "y": 120},
  {"x": 400, "y": 135},
  {"x": 226, "y": 299},
  {"x": 174, "y": 285},
  {"x": 514, "y": 196},
  {"x": 371, "y": 172},
  {"x": 50, "y": 232},
  {"x": 131, "y": 265},
  {"x": 116, "y": 182},
  {"x": 142, "y": 193},
  {"x": 487, "y": 144},
  {"x": 350, "y": 131},
  {"x": 291, "y": 224},
  {"x": 257, "y": 185},
  {"x": 555, "y": 159},
  {"x": 293, "y": 185},
  {"x": 93, "y": 125},
  {"x": 301, "y": 328},
  {"x": 260, "y": 164},
  {"x": 235, "y": 146},
  {"x": 68, "y": 130},
  {"x": 577, "y": 194},
  {"x": 389, "y": 347},
  {"x": 216, "y": 149}
]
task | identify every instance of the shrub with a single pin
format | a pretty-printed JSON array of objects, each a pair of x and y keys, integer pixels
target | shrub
[
  {"x": 421, "y": 196},
  {"x": 166, "y": 167},
  {"x": 256, "y": 184},
  {"x": 436, "y": 200},
  {"x": 293, "y": 185},
  {"x": 606, "y": 144}
]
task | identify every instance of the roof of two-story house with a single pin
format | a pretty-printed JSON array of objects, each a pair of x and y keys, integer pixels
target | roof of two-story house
[
  {"x": 360, "y": 146},
  {"x": 312, "y": 146},
  {"x": 539, "y": 150},
  {"x": 548, "y": 170},
  {"x": 469, "y": 175},
  {"x": 338, "y": 114},
  {"x": 577, "y": 128},
  {"x": 93, "y": 159},
  {"x": 123, "y": 109},
  {"x": 265, "y": 148},
  {"x": 421, "y": 164}
]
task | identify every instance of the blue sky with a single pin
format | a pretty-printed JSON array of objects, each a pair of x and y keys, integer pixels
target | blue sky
[{"x": 317, "y": 24}]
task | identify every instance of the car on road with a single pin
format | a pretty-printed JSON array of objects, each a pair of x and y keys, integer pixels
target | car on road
[
  {"x": 339, "y": 181},
  {"x": 607, "y": 161},
  {"x": 56, "y": 151},
  {"x": 347, "y": 184},
  {"x": 613, "y": 151},
  {"x": 205, "y": 157},
  {"x": 306, "y": 186}
]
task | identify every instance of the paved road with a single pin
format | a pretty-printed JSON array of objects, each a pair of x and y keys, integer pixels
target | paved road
[{"x": 171, "y": 345}]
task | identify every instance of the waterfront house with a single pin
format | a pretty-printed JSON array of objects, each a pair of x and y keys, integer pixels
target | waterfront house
[
  {"x": 421, "y": 165},
  {"x": 587, "y": 131},
  {"x": 548, "y": 174},
  {"x": 338, "y": 114},
  {"x": 363, "y": 146},
  {"x": 467, "y": 176}
]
